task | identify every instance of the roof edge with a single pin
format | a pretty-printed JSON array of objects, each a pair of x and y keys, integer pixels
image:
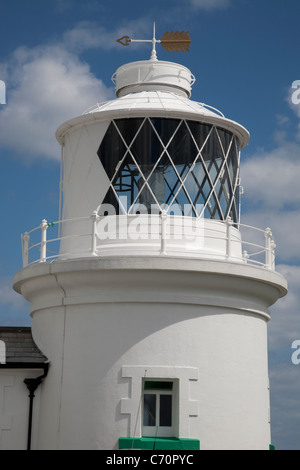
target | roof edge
[{"x": 90, "y": 118}]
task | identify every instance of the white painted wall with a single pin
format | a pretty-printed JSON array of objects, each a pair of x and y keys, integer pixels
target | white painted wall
[
  {"x": 204, "y": 323},
  {"x": 85, "y": 184},
  {"x": 14, "y": 409}
]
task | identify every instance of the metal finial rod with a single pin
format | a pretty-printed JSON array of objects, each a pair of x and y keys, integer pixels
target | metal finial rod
[
  {"x": 153, "y": 53},
  {"x": 153, "y": 40}
]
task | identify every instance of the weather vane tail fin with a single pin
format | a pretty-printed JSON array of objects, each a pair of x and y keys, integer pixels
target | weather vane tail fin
[{"x": 176, "y": 41}]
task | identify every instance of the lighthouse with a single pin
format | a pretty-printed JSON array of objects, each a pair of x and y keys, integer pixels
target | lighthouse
[{"x": 149, "y": 297}]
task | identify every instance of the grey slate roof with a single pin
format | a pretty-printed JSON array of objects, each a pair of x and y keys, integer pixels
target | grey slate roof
[{"x": 20, "y": 348}]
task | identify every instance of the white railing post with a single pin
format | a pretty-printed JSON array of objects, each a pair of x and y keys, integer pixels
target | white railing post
[
  {"x": 94, "y": 218},
  {"x": 25, "y": 248},
  {"x": 43, "y": 249},
  {"x": 163, "y": 223},
  {"x": 245, "y": 256},
  {"x": 273, "y": 246},
  {"x": 268, "y": 235},
  {"x": 229, "y": 224}
]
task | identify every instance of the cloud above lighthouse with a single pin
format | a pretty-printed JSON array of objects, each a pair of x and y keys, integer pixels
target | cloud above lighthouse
[
  {"x": 51, "y": 83},
  {"x": 48, "y": 85},
  {"x": 211, "y": 4},
  {"x": 270, "y": 178}
]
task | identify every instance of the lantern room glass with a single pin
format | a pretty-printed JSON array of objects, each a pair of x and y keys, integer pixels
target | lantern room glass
[{"x": 182, "y": 167}]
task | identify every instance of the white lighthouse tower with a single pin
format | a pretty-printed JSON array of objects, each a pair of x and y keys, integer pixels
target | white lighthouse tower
[{"x": 153, "y": 313}]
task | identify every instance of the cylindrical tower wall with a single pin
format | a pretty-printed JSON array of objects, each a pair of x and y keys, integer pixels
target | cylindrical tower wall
[
  {"x": 105, "y": 330},
  {"x": 152, "y": 337},
  {"x": 228, "y": 403}
]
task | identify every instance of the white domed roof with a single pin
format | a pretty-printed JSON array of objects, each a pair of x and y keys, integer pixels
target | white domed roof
[
  {"x": 154, "y": 89},
  {"x": 155, "y": 101}
]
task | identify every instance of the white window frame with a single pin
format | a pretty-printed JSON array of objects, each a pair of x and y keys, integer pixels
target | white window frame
[
  {"x": 187, "y": 406},
  {"x": 157, "y": 430}
]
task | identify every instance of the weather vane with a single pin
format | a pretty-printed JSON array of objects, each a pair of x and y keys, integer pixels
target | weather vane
[{"x": 171, "y": 41}]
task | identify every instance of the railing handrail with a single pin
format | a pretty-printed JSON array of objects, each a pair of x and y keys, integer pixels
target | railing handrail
[
  {"x": 43, "y": 244},
  {"x": 252, "y": 228}
]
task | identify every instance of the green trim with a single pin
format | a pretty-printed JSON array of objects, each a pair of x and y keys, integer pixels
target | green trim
[
  {"x": 271, "y": 447},
  {"x": 159, "y": 443}
]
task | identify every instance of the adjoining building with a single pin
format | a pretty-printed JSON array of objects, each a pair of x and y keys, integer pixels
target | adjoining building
[{"x": 22, "y": 369}]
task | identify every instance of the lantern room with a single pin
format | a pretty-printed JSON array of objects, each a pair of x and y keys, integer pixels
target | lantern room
[{"x": 159, "y": 170}]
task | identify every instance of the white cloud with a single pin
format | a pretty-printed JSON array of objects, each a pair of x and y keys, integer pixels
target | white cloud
[
  {"x": 284, "y": 326},
  {"x": 272, "y": 193},
  {"x": 211, "y": 4},
  {"x": 285, "y": 226},
  {"x": 285, "y": 405},
  {"x": 50, "y": 83},
  {"x": 63, "y": 5},
  {"x": 10, "y": 298},
  {"x": 272, "y": 198},
  {"x": 47, "y": 85},
  {"x": 90, "y": 35},
  {"x": 293, "y": 97},
  {"x": 53, "y": 85},
  {"x": 271, "y": 179}
]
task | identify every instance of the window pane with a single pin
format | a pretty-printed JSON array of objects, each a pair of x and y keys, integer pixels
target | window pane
[
  {"x": 200, "y": 132},
  {"x": 149, "y": 410},
  {"x": 165, "y": 128},
  {"x": 129, "y": 128},
  {"x": 182, "y": 148},
  {"x": 146, "y": 147},
  {"x": 225, "y": 138},
  {"x": 156, "y": 385},
  {"x": 165, "y": 410},
  {"x": 148, "y": 159},
  {"x": 111, "y": 150}
]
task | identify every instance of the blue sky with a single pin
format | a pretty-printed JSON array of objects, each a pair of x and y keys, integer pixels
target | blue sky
[{"x": 57, "y": 59}]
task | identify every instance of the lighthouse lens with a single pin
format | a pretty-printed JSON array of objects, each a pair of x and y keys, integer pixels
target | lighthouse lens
[{"x": 179, "y": 166}]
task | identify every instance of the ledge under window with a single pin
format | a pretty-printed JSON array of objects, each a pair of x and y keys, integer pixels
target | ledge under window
[{"x": 159, "y": 443}]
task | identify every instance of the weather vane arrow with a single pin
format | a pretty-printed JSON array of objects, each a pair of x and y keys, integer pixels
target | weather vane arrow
[{"x": 171, "y": 41}]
